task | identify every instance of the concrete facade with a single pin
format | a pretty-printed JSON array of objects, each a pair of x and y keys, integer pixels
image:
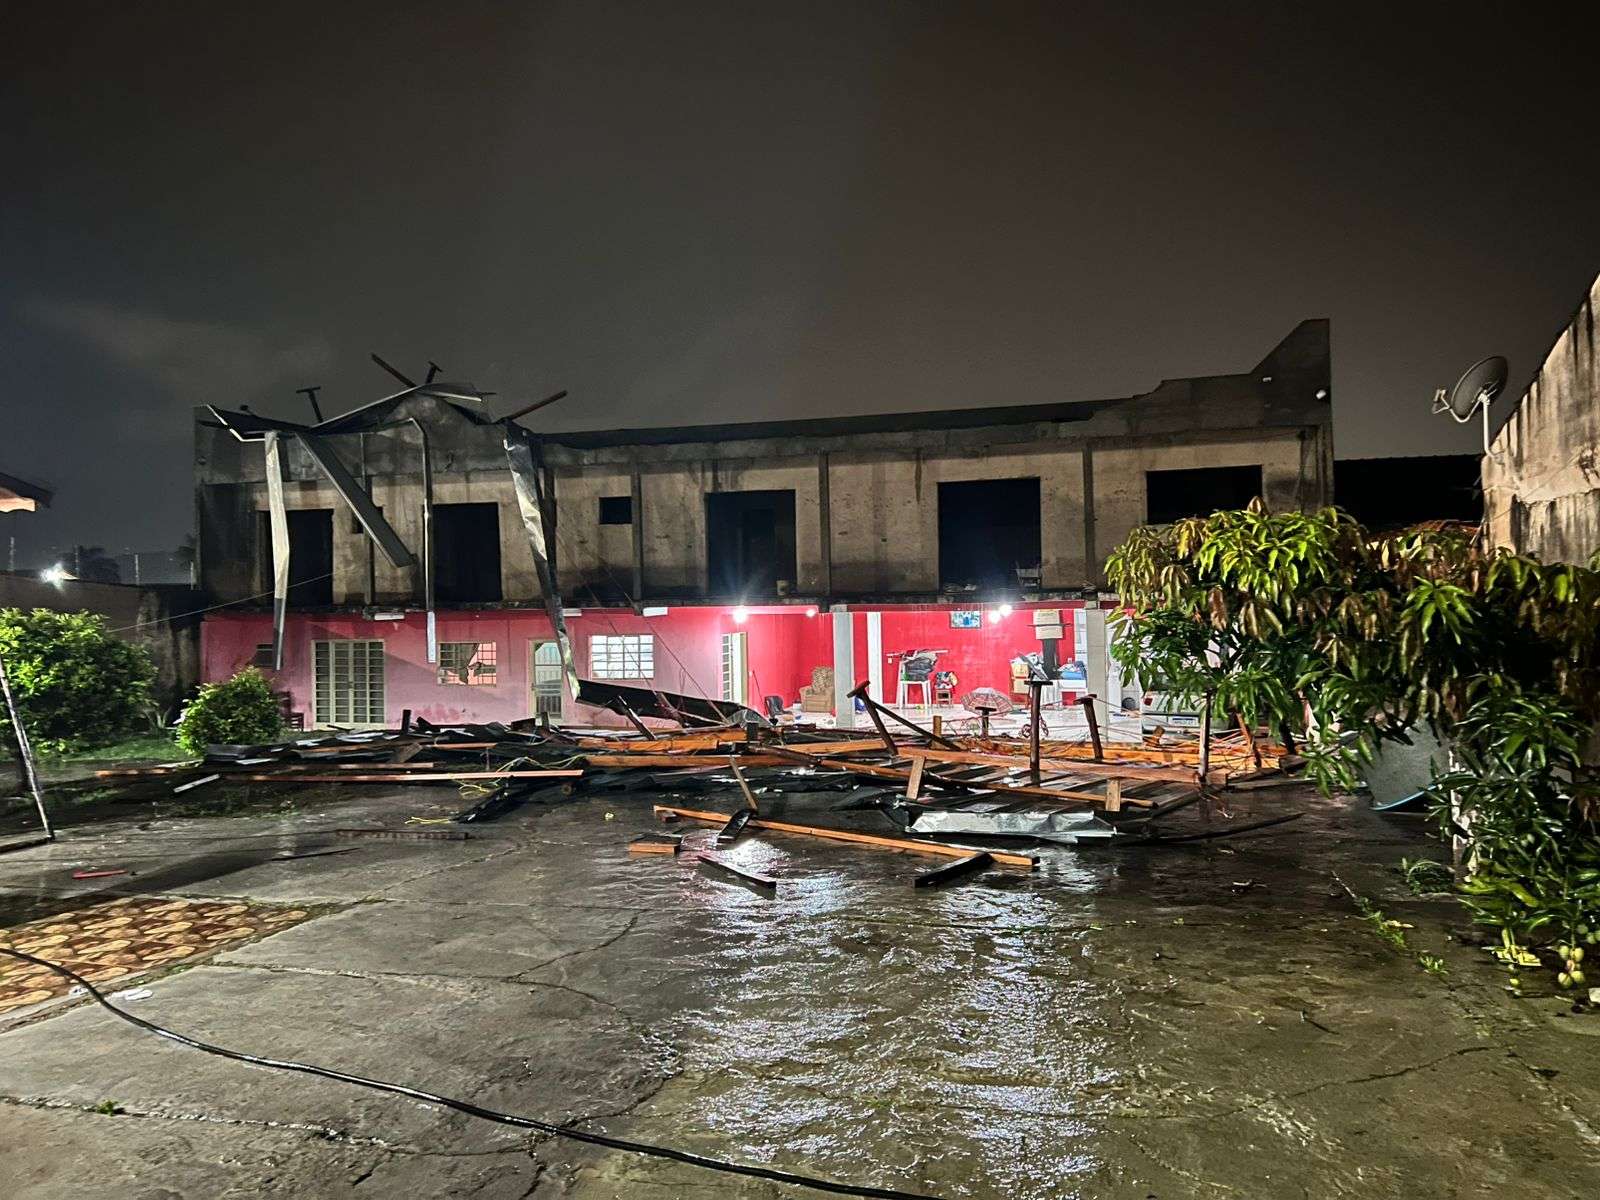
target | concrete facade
[
  {"x": 866, "y": 522},
  {"x": 1541, "y": 479}
]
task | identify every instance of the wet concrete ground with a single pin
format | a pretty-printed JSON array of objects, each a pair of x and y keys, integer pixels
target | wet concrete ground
[{"x": 1120, "y": 1023}]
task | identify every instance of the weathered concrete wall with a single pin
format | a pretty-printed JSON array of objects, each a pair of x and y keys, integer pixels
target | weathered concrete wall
[
  {"x": 879, "y": 535},
  {"x": 1541, "y": 481},
  {"x": 160, "y": 619}
]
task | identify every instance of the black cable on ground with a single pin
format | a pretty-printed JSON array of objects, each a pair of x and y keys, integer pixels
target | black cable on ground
[{"x": 463, "y": 1106}]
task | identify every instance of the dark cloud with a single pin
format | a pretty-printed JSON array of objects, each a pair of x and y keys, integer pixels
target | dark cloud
[{"x": 726, "y": 211}]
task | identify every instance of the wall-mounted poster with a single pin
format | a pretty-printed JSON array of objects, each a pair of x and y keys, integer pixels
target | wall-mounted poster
[{"x": 966, "y": 618}]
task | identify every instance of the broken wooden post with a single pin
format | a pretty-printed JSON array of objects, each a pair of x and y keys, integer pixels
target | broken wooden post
[
  {"x": 1036, "y": 690},
  {"x": 914, "y": 783},
  {"x": 1205, "y": 739},
  {"x": 860, "y": 693},
  {"x": 876, "y": 711},
  {"x": 1087, "y": 701},
  {"x": 749, "y": 796},
  {"x": 938, "y": 725},
  {"x": 1113, "y": 794}
]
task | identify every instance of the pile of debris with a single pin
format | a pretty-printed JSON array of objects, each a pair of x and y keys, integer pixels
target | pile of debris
[{"x": 923, "y": 784}]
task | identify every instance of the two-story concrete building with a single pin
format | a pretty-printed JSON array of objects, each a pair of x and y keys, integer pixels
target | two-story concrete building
[{"x": 735, "y": 561}]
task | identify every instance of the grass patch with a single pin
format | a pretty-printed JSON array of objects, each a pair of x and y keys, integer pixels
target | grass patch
[{"x": 138, "y": 747}]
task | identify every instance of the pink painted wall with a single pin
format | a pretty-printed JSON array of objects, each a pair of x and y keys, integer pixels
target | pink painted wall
[
  {"x": 783, "y": 648},
  {"x": 980, "y": 657}
]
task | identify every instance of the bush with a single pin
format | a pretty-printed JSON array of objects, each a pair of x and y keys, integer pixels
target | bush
[
  {"x": 74, "y": 680},
  {"x": 241, "y": 711}
]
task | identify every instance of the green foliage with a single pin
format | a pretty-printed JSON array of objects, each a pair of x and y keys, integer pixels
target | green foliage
[
  {"x": 1306, "y": 622},
  {"x": 1528, "y": 801},
  {"x": 237, "y": 712},
  {"x": 1423, "y": 875},
  {"x": 75, "y": 682}
]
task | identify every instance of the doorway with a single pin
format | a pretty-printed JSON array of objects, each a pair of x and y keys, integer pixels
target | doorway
[{"x": 546, "y": 675}]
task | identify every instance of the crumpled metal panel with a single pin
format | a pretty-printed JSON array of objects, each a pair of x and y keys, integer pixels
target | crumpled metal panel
[
  {"x": 669, "y": 706},
  {"x": 533, "y": 506},
  {"x": 279, "y": 518},
  {"x": 1047, "y": 825},
  {"x": 357, "y": 497}
]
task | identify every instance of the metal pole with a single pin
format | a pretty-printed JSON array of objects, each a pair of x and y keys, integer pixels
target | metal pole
[
  {"x": 427, "y": 541},
  {"x": 24, "y": 750}
]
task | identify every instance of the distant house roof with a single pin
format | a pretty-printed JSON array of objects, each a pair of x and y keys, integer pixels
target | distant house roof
[{"x": 18, "y": 495}]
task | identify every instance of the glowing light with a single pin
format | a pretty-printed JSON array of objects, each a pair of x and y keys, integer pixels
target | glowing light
[
  {"x": 55, "y": 574},
  {"x": 1005, "y": 610},
  {"x": 651, "y": 610},
  {"x": 994, "y": 616},
  {"x": 741, "y": 615},
  {"x": 811, "y": 612}
]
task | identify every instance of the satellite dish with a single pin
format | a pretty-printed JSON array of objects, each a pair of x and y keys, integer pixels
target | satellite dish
[{"x": 1474, "y": 391}]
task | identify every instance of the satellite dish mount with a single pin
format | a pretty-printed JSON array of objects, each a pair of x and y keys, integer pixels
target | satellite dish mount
[{"x": 1474, "y": 392}]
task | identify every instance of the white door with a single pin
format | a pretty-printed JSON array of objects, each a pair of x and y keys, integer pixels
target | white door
[{"x": 546, "y": 676}]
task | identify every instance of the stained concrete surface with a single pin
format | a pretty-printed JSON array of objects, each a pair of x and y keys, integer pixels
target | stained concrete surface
[{"x": 1211, "y": 1020}]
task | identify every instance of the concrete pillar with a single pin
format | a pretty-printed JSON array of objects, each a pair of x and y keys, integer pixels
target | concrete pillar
[
  {"x": 1096, "y": 661},
  {"x": 875, "y": 656},
  {"x": 844, "y": 669}
]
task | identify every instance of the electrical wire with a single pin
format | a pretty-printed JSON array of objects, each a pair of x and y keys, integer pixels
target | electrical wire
[
  {"x": 470, "y": 1109},
  {"x": 212, "y": 608}
]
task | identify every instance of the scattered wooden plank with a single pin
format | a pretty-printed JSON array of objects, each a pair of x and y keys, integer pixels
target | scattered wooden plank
[
  {"x": 749, "y": 796},
  {"x": 404, "y": 777},
  {"x": 765, "y": 883},
  {"x": 944, "y": 850},
  {"x": 656, "y": 843},
  {"x": 681, "y": 760},
  {"x": 1050, "y": 763},
  {"x": 194, "y": 783},
  {"x": 952, "y": 871}
]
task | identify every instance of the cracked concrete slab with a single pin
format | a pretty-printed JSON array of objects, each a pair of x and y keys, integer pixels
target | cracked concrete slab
[{"x": 1115, "y": 1024}]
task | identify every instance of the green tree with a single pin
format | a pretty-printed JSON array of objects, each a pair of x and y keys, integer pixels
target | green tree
[
  {"x": 241, "y": 711},
  {"x": 75, "y": 681},
  {"x": 1308, "y": 623}
]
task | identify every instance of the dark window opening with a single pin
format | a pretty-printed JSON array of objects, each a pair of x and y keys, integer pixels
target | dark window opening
[
  {"x": 1173, "y": 495},
  {"x": 749, "y": 542},
  {"x": 616, "y": 510},
  {"x": 1442, "y": 487},
  {"x": 466, "y": 553},
  {"x": 989, "y": 534},
  {"x": 310, "y": 556}
]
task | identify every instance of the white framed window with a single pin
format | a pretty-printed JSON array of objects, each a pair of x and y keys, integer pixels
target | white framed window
[
  {"x": 622, "y": 656},
  {"x": 347, "y": 682},
  {"x": 734, "y": 667},
  {"x": 471, "y": 664}
]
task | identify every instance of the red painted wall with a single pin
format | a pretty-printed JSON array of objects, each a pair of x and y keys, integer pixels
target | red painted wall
[
  {"x": 783, "y": 648},
  {"x": 979, "y": 657},
  {"x": 781, "y": 651}
]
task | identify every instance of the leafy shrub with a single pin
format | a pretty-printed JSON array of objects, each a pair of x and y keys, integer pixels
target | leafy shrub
[
  {"x": 74, "y": 680},
  {"x": 237, "y": 712},
  {"x": 1316, "y": 627}
]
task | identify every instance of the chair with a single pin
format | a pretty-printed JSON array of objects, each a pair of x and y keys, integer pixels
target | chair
[{"x": 818, "y": 698}]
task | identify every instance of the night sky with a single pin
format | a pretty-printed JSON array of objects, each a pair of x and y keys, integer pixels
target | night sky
[{"x": 691, "y": 212}]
